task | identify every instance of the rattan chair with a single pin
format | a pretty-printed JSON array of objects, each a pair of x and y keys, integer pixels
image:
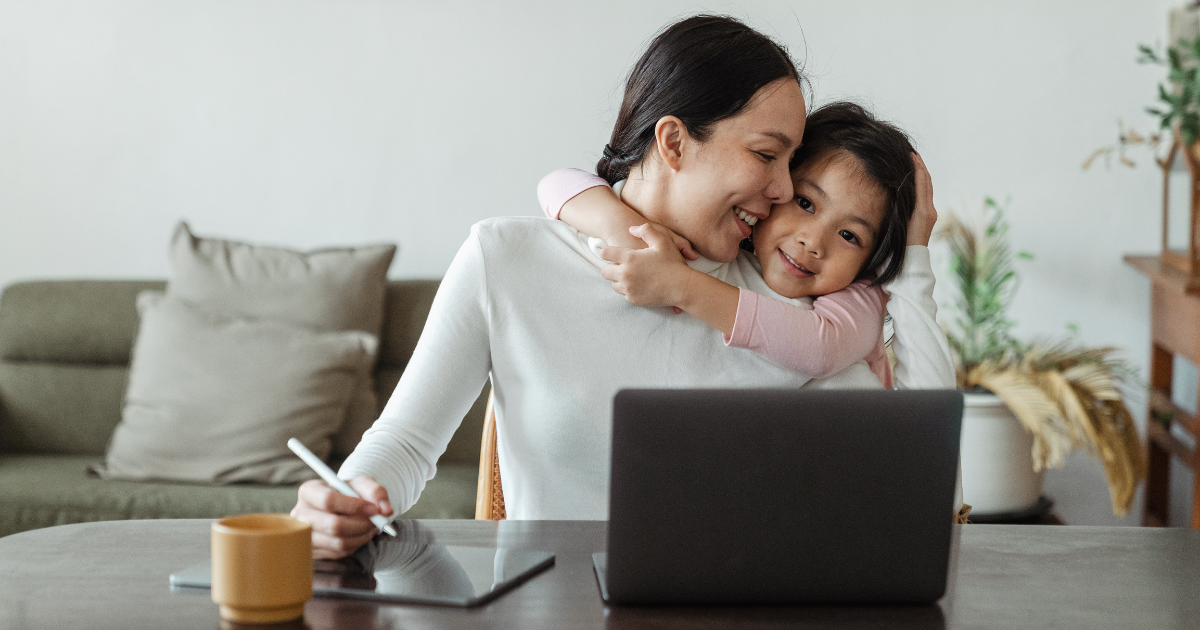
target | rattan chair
[{"x": 489, "y": 496}]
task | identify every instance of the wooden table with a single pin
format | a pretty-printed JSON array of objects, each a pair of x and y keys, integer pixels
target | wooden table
[{"x": 114, "y": 575}]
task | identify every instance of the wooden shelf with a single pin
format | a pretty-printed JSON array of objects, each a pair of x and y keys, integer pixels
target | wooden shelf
[
  {"x": 1160, "y": 402},
  {"x": 1163, "y": 275},
  {"x": 1174, "y": 331},
  {"x": 1173, "y": 445}
]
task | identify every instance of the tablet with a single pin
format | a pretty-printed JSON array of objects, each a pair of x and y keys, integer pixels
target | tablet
[{"x": 411, "y": 570}]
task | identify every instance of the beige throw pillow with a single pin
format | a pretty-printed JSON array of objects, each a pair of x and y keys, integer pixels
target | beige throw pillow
[
  {"x": 328, "y": 289},
  {"x": 214, "y": 399}
]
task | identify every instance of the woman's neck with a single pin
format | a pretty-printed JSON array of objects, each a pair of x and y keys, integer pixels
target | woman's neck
[{"x": 646, "y": 194}]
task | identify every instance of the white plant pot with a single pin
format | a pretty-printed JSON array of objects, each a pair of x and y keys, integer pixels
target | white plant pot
[{"x": 997, "y": 458}]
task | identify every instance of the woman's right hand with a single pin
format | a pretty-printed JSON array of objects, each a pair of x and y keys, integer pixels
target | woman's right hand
[
  {"x": 340, "y": 524},
  {"x": 920, "y": 226}
]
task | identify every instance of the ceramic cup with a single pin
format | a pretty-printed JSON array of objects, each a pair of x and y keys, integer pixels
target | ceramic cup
[{"x": 261, "y": 567}]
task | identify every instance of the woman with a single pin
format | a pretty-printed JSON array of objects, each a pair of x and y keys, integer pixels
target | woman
[{"x": 717, "y": 111}]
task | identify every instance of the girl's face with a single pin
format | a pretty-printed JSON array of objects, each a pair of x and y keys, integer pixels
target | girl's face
[
  {"x": 738, "y": 173},
  {"x": 817, "y": 243}
]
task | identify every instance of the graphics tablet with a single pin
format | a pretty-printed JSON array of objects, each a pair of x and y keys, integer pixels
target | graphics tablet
[{"x": 411, "y": 569}]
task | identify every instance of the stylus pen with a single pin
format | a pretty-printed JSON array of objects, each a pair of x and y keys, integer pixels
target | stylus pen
[{"x": 330, "y": 478}]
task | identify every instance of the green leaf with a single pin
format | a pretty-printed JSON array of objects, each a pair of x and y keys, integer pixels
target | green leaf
[{"x": 1023, "y": 255}]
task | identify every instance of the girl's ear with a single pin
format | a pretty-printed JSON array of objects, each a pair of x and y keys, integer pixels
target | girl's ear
[{"x": 670, "y": 138}]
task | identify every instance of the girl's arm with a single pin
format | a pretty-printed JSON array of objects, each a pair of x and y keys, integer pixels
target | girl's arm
[
  {"x": 588, "y": 204},
  {"x": 838, "y": 330},
  {"x": 563, "y": 185}
]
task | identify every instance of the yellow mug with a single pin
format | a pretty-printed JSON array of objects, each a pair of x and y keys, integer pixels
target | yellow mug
[{"x": 261, "y": 567}]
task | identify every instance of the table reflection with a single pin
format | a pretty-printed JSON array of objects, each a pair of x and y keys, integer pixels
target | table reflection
[
  {"x": 414, "y": 567},
  {"x": 774, "y": 617}
]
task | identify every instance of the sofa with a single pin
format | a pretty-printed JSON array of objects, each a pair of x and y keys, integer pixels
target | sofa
[{"x": 64, "y": 364}]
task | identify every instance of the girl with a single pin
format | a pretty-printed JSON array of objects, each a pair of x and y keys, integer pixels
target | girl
[{"x": 840, "y": 238}]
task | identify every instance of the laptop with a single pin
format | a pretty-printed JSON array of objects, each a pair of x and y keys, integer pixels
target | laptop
[{"x": 768, "y": 496}]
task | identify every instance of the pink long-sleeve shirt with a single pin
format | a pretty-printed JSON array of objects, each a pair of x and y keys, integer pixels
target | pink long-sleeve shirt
[{"x": 818, "y": 339}]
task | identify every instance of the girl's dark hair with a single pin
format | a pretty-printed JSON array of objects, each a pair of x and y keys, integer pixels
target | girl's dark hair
[
  {"x": 884, "y": 153},
  {"x": 702, "y": 70}
]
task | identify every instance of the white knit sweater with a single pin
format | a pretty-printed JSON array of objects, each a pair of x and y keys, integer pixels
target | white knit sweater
[{"x": 524, "y": 301}]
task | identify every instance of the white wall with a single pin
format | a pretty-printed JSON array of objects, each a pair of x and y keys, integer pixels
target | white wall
[{"x": 308, "y": 122}]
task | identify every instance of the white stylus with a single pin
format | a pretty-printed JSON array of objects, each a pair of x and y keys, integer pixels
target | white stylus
[{"x": 330, "y": 478}]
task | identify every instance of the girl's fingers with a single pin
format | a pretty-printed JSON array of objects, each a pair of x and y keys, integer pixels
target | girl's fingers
[
  {"x": 652, "y": 234},
  {"x": 920, "y": 226},
  {"x": 685, "y": 248},
  {"x": 614, "y": 254},
  {"x": 614, "y": 274},
  {"x": 658, "y": 237},
  {"x": 922, "y": 180}
]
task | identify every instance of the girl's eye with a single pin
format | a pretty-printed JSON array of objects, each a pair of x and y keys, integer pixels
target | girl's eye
[
  {"x": 849, "y": 236},
  {"x": 804, "y": 203},
  {"x": 767, "y": 157}
]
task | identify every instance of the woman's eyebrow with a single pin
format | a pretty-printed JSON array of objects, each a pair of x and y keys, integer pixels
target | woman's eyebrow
[{"x": 778, "y": 135}]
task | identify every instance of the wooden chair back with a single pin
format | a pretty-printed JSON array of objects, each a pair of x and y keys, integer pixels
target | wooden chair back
[{"x": 489, "y": 496}]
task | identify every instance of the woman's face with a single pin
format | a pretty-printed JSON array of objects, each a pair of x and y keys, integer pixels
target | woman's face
[
  {"x": 818, "y": 242},
  {"x": 729, "y": 182}
]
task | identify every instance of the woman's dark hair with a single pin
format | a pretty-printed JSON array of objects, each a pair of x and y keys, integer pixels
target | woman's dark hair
[
  {"x": 701, "y": 70},
  {"x": 884, "y": 153}
]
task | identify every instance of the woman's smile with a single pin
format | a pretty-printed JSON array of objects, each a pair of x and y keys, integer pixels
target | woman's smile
[
  {"x": 745, "y": 221},
  {"x": 750, "y": 219}
]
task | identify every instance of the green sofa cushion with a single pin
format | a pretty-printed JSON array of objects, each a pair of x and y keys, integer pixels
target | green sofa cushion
[
  {"x": 43, "y": 490},
  {"x": 71, "y": 321},
  {"x": 59, "y": 408}
]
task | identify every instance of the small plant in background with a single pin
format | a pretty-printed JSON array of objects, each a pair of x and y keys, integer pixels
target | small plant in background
[
  {"x": 1066, "y": 395},
  {"x": 1181, "y": 102},
  {"x": 1178, "y": 109},
  {"x": 1125, "y": 138},
  {"x": 981, "y": 263}
]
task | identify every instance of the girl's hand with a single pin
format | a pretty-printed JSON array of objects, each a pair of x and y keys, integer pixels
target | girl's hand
[
  {"x": 652, "y": 277},
  {"x": 920, "y": 226},
  {"x": 629, "y": 239}
]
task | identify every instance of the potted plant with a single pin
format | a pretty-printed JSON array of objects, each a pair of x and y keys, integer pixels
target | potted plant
[{"x": 1028, "y": 405}]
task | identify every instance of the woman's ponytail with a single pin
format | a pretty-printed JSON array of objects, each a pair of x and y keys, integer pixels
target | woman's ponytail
[{"x": 614, "y": 165}]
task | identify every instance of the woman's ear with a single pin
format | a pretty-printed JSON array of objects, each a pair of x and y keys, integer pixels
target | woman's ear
[{"x": 670, "y": 138}]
